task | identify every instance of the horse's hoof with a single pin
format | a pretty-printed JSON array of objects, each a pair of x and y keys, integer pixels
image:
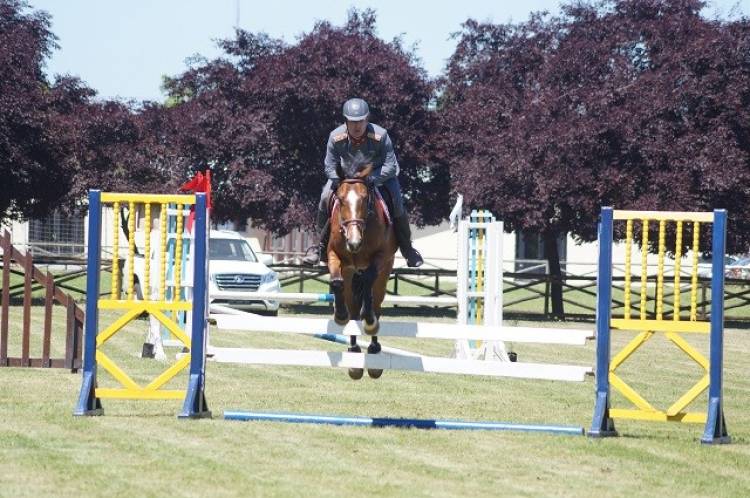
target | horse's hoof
[
  {"x": 374, "y": 373},
  {"x": 372, "y": 329},
  {"x": 373, "y": 348},
  {"x": 340, "y": 320},
  {"x": 356, "y": 373}
]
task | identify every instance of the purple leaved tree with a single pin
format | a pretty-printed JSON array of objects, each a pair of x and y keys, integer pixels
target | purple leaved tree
[
  {"x": 261, "y": 117},
  {"x": 32, "y": 149},
  {"x": 633, "y": 103}
]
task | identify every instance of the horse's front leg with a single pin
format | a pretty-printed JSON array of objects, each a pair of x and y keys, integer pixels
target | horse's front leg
[
  {"x": 340, "y": 313},
  {"x": 341, "y": 283}
]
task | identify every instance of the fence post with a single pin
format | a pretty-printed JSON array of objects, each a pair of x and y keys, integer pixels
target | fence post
[
  {"x": 28, "y": 265},
  {"x": 6, "y": 298},
  {"x": 49, "y": 301}
]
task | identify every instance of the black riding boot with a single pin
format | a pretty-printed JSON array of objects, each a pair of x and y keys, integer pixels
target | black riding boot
[
  {"x": 403, "y": 237},
  {"x": 321, "y": 256}
]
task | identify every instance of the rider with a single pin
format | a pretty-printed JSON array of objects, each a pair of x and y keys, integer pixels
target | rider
[{"x": 352, "y": 139}]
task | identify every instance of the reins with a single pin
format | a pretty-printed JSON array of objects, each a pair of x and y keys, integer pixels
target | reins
[{"x": 358, "y": 222}]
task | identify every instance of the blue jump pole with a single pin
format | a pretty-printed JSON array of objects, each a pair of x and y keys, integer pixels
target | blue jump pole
[{"x": 400, "y": 422}]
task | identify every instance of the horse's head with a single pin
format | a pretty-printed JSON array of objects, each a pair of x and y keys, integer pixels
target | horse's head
[{"x": 355, "y": 204}]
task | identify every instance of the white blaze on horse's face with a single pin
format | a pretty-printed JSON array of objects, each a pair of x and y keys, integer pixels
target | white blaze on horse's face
[{"x": 353, "y": 230}]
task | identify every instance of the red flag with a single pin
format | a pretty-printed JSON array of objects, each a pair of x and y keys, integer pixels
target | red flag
[{"x": 199, "y": 183}]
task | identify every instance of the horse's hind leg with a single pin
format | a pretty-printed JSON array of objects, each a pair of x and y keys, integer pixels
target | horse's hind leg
[
  {"x": 355, "y": 373},
  {"x": 340, "y": 313},
  {"x": 374, "y": 348},
  {"x": 371, "y": 322},
  {"x": 380, "y": 283}
]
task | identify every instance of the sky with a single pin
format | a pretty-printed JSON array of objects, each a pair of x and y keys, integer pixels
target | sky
[{"x": 122, "y": 48}]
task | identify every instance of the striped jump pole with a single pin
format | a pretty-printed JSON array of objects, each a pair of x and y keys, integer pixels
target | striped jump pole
[{"x": 407, "y": 423}]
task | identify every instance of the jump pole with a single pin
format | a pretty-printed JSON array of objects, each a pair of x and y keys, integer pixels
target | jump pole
[
  {"x": 311, "y": 297},
  {"x": 406, "y": 423}
]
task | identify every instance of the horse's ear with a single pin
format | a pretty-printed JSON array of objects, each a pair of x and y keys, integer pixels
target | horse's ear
[
  {"x": 340, "y": 172},
  {"x": 365, "y": 172}
]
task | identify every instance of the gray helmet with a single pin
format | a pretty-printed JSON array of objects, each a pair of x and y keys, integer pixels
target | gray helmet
[{"x": 356, "y": 110}]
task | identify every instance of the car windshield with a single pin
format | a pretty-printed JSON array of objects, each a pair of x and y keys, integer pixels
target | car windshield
[{"x": 231, "y": 250}]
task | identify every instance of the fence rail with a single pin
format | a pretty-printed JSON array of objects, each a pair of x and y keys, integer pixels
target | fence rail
[{"x": 527, "y": 293}]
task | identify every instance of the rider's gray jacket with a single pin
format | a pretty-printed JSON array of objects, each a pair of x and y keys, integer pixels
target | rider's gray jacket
[{"x": 377, "y": 148}]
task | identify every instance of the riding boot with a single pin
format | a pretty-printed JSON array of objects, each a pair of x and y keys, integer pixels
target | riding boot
[
  {"x": 321, "y": 256},
  {"x": 403, "y": 237}
]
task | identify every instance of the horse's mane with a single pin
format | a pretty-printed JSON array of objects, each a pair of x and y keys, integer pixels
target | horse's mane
[{"x": 358, "y": 162}]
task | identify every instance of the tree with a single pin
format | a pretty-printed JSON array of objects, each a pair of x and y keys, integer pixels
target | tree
[
  {"x": 546, "y": 121},
  {"x": 261, "y": 116},
  {"x": 56, "y": 140},
  {"x": 31, "y": 153},
  {"x": 116, "y": 148}
]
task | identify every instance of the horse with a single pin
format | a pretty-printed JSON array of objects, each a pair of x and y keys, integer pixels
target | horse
[{"x": 361, "y": 250}]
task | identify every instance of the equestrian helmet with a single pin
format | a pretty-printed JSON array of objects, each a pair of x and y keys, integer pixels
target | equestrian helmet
[{"x": 356, "y": 110}]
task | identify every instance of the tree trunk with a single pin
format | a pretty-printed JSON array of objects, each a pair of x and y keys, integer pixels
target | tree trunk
[{"x": 553, "y": 260}]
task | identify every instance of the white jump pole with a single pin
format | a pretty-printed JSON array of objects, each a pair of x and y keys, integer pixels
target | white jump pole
[{"x": 310, "y": 297}]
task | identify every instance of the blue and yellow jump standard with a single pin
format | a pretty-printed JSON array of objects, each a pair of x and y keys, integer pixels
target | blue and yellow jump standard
[
  {"x": 89, "y": 402},
  {"x": 672, "y": 327}
]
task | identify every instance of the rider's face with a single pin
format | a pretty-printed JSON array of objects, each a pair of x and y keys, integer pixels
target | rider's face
[{"x": 356, "y": 128}]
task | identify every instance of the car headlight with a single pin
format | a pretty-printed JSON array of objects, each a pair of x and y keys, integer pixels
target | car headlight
[{"x": 269, "y": 277}]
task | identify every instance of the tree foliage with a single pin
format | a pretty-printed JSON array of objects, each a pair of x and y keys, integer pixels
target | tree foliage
[
  {"x": 57, "y": 140},
  {"x": 631, "y": 103},
  {"x": 261, "y": 117},
  {"x": 31, "y": 155},
  {"x": 638, "y": 104}
]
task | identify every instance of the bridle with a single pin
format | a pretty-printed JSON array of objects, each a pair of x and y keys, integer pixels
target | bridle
[{"x": 358, "y": 222}]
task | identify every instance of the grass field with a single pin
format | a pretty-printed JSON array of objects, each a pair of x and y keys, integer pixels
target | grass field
[{"x": 142, "y": 449}]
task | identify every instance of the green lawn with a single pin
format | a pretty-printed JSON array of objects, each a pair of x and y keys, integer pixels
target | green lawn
[{"x": 142, "y": 449}]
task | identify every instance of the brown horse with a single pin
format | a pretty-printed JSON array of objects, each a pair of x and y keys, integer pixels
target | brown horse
[{"x": 361, "y": 249}]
